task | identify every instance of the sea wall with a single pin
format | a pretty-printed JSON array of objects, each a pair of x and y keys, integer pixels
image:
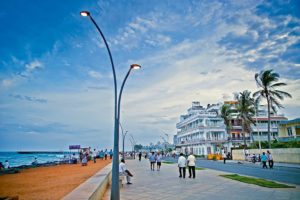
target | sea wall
[
  {"x": 286, "y": 155},
  {"x": 93, "y": 188}
]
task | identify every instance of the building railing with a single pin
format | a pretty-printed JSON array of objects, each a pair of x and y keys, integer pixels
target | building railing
[
  {"x": 196, "y": 141},
  {"x": 201, "y": 127}
]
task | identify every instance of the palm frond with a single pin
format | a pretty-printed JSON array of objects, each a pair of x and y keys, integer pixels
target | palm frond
[
  {"x": 278, "y": 84},
  {"x": 285, "y": 94}
]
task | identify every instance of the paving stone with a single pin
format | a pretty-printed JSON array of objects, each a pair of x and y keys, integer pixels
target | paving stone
[{"x": 166, "y": 185}]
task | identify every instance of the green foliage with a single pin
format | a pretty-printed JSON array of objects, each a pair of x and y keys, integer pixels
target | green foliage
[
  {"x": 256, "y": 181},
  {"x": 199, "y": 156},
  {"x": 214, "y": 157},
  {"x": 200, "y": 168},
  {"x": 138, "y": 147},
  {"x": 276, "y": 144},
  {"x": 168, "y": 162}
]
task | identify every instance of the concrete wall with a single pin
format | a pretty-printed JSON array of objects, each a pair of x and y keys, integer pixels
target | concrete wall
[
  {"x": 287, "y": 155},
  {"x": 93, "y": 188}
]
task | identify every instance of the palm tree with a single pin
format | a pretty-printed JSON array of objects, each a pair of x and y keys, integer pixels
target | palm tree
[
  {"x": 268, "y": 82},
  {"x": 246, "y": 111},
  {"x": 226, "y": 115}
]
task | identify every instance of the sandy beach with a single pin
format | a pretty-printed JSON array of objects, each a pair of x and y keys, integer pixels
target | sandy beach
[{"x": 49, "y": 183}]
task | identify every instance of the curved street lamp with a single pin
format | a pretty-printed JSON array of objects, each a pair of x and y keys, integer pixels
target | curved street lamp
[
  {"x": 123, "y": 143},
  {"x": 115, "y": 190}
]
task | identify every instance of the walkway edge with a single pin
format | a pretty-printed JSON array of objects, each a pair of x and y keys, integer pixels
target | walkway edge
[{"x": 93, "y": 188}]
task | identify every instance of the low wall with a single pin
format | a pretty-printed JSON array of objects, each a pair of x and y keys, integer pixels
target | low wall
[
  {"x": 93, "y": 188},
  {"x": 286, "y": 155}
]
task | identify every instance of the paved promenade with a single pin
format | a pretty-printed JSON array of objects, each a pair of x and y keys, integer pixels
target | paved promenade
[{"x": 165, "y": 184}]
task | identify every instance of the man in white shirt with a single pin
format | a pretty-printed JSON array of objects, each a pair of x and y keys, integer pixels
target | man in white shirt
[
  {"x": 94, "y": 153},
  {"x": 191, "y": 161},
  {"x": 6, "y": 165},
  {"x": 181, "y": 165},
  {"x": 123, "y": 171}
]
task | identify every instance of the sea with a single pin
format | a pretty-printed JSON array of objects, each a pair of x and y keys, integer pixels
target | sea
[{"x": 16, "y": 159}]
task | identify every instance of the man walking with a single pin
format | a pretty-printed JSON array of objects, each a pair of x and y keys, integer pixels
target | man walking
[
  {"x": 94, "y": 154},
  {"x": 264, "y": 159},
  {"x": 270, "y": 159},
  {"x": 152, "y": 160},
  {"x": 224, "y": 156},
  {"x": 158, "y": 161},
  {"x": 140, "y": 156},
  {"x": 181, "y": 165},
  {"x": 191, "y": 162}
]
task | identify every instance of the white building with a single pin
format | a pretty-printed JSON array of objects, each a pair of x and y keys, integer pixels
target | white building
[
  {"x": 259, "y": 130},
  {"x": 201, "y": 130}
]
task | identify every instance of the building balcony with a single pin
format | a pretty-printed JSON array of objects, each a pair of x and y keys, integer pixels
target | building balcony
[
  {"x": 239, "y": 139},
  {"x": 201, "y": 141},
  {"x": 202, "y": 128}
]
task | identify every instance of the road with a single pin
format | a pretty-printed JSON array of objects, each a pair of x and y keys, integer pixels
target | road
[{"x": 281, "y": 174}]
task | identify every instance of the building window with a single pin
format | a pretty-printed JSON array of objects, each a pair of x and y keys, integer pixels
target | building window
[
  {"x": 208, "y": 150},
  {"x": 289, "y": 131}
]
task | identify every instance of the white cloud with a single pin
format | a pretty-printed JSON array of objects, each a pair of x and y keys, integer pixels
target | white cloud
[
  {"x": 34, "y": 65},
  {"x": 94, "y": 74}
]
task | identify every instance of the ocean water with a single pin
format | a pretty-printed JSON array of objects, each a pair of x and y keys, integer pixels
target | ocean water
[{"x": 15, "y": 159}]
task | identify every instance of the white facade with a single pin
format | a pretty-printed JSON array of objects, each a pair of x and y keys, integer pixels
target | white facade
[
  {"x": 259, "y": 130},
  {"x": 201, "y": 130}
]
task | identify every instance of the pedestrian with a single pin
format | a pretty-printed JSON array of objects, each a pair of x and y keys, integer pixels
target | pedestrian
[
  {"x": 105, "y": 154},
  {"x": 224, "y": 156},
  {"x": 101, "y": 154},
  {"x": 152, "y": 160},
  {"x": 270, "y": 159},
  {"x": 6, "y": 165},
  {"x": 264, "y": 159},
  {"x": 110, "y": 154},
  {"x": 124, "y": 172},
  {"x": 34, "y": 162},
  {"x": 158, "y": 161},
  {"x": 181, "y": 165},
  {"x": 191, "y": 162},
  {"x": 94, "y": 153},
  {"x": 84, "y": 160},
  {"x": 140, "y": 156}
]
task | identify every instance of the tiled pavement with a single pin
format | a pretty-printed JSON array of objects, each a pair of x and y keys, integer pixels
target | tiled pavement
[{"x": 165, "y": 184}]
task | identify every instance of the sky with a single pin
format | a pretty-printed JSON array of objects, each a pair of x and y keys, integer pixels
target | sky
[{"x": 56, "y": 83}]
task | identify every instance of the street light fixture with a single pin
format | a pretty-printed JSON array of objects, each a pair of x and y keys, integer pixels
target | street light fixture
[
  {"x": 115, "y": 190},
  {"x": 84, "y": 13}
]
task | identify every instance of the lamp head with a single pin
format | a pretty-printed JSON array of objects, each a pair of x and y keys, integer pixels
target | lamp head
[
  {"x": 85, "y": 13},
  {"x": 135, "y": 66}
]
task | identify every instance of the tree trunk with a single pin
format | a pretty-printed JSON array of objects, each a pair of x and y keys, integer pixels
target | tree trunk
[
  {"x": 244, "y": 135},
  {"x": 269, "y": 123}
]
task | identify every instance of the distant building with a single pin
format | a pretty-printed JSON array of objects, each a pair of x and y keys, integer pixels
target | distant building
[
  {"x": 289, "y": 130},
  {"x": 201, "y": 130}
]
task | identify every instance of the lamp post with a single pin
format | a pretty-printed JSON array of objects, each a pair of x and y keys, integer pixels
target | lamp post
[
  {"x": 133, "y": 143},
  {"x": 123, "y": 139},
  {"x": 115, "y": 190}
]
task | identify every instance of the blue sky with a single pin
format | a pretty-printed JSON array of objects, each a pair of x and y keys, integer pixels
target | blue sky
[{"x": 56, "y": 85}]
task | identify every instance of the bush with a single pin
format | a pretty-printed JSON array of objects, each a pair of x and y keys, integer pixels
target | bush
[
  {"x": 276, "y": 144},
  {"x": 214, "y": 157}
]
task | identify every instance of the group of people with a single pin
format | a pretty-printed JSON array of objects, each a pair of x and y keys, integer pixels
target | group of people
[
  {"x": 189, "y": 162},
  {"x": 264, "y": 159},
  {"x": 267, "y": 158},
  {"x": 88, "y": 154},
  {"x": 155, "y": 158}
]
